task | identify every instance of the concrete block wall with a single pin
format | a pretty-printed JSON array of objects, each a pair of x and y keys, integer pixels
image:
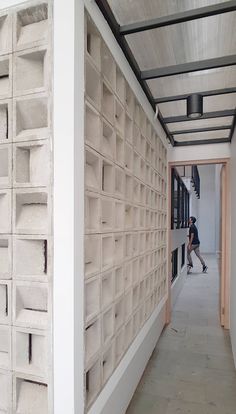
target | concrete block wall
[
  {"x": 125, "y": 215},
  {"x": 25, "y": 209}
]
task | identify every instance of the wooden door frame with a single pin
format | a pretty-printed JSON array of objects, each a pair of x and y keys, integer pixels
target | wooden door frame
[{"x": 226, "y": 237}]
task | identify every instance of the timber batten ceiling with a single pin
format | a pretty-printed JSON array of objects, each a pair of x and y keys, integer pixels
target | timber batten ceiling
[{"x": 177, "y": 48}]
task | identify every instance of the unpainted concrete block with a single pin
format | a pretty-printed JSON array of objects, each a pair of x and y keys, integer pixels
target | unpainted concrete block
[
  {"x": 5, "y": 347},
  {"x": 108, "y": 66},
  {"x": 31, "y": 26},
  {"x": 5, "y": 257},
  {"x": 32, "y": 258},
  {"x": 31, "y": 116},
  {"x": 92, "y": 298},
  {"x": 92, "y": 339},
  {"x": 6, "y": 23},
  {"x": 108, "y": 140},
  {"x": 31, "y": 211},
  {"x": 108, "y": 362},
  {"x": 5, "y": 211},
  {"x": 5, "y": 121},
  {"x": 108, "y": 325},
  {"x": 30, "y": 71},
  {"x": 92, "y": 255},
  {"x": 5, "y": 166},
  {"x": 92, "y": 170},
  {"x": 30, "y": 395},
  {"x": 92, "y": 42},
  {"x": 30, "y": 304},
  {"x": 5, "y": 76},
  {"x": 30, "y": 354},
  {"x": 5, "y": 392},
  {"x": 93, "y": 84},
  {"x": 92, "y": 127},
  {"x": 5, "y": 302},
  {"x": 93, "y": 381},
  {"x": 31, "y": 164}
]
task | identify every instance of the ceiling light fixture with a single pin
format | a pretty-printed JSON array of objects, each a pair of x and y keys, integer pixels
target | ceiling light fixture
[{"x": 195, "y": 106}]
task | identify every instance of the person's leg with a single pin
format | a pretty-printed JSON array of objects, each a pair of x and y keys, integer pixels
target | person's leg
[
  {"x": 198, "y": 254},
  {"x": 190, "y": 262}
]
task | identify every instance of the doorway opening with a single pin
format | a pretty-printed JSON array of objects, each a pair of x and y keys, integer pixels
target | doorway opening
[{"x": 199, "y": 189}]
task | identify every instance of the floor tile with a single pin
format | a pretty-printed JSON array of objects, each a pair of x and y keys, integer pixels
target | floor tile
[{"x": 191, "y": 370}]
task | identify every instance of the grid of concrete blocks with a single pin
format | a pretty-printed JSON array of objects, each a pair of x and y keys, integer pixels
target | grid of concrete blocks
[
  {"x": 125, "y": 215},
  {"x": 25, "y": 208}
]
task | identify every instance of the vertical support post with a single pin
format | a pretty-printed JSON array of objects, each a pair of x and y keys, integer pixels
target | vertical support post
[{"x": 68, "y": 206}]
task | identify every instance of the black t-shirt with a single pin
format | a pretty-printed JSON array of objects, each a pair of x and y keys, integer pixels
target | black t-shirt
[{"x": 193, "y": 230}]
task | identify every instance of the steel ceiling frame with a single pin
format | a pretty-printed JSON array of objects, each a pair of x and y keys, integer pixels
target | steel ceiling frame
[
  {"x": 201, "y": 142},
  {"x": 195, "y": 130},
  {"x": 199, "y": 65},
  {"x": 142, "y": 76},
  {"x": 206, "y": 115},
  {"x": 214, "y": 92},
  {"x": 177, "y": 18}
]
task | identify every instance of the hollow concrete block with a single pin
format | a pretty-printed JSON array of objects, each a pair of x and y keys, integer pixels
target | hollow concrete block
[
  {"x": 30, "y": 395},
  {"x": 5, "y": 347},
  {"x": 31, "y": 164},
  {"x": 31, "y": 211},
  {"x": 5, "y": 392},
  {"x": 5, "y": 76},
  {"x": 31, "y": 25},
  {"x": 30, "y": 304},
  {"x": 31, "y": 70},
  {"x": 30, "y": 354},
  {"x": 5, "y": 211},
  {"x": 32, "y": 258},
  {"x": 5, "y": 302},
  {"x": 31, "y": 117}
]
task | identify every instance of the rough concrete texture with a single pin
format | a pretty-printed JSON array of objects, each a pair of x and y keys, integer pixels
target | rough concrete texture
[
  {"x": 25, "y": 208},
  {"x": 125, "y": 215}
]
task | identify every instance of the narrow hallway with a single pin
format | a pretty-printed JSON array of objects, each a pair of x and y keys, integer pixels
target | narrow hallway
[{"x": 191, "y": 370}]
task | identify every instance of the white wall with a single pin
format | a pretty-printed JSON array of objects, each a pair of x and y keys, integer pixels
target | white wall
[
  {"x": 194, "y": 204},
  {"x": 217, "y": 206},
  {"x": 68, "y": 206},
  {"x": 199, "y": 152},
  {"x": 233, "y": 244},
  {"x": 207, "y": 208},
  {"x": 207, "y": 211}
]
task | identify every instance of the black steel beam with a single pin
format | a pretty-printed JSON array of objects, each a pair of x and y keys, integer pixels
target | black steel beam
[
  {"x": 115, "y": 27},
  {"x": 199, "y": 65},
  {"x": 201, "y": 142},
  {"x": 185, "y": 16},
  {"x": 196, "y": 130},
  {"x": 185, "y": 96},
  {"x": 207, "y": 115}
]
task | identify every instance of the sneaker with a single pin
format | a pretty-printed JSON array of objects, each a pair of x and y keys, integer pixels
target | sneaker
[{"x": 204, "y": 269}]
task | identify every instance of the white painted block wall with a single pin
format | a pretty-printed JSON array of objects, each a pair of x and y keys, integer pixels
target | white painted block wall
[{"x": 207, "y": 209}]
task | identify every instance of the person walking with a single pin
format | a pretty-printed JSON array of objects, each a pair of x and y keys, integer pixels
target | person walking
[{"x": 193, "y": 245}]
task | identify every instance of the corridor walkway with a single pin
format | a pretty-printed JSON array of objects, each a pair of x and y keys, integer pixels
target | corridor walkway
[{"x": 191, "y": 370}]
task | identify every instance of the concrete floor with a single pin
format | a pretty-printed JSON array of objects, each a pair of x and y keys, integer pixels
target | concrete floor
[{"x": 191, "y": 370}]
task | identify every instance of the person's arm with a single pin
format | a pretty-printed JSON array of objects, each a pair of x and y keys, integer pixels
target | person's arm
[
  {"x": 191, "y": 235},
  {"x": 191, "y": 239}
]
